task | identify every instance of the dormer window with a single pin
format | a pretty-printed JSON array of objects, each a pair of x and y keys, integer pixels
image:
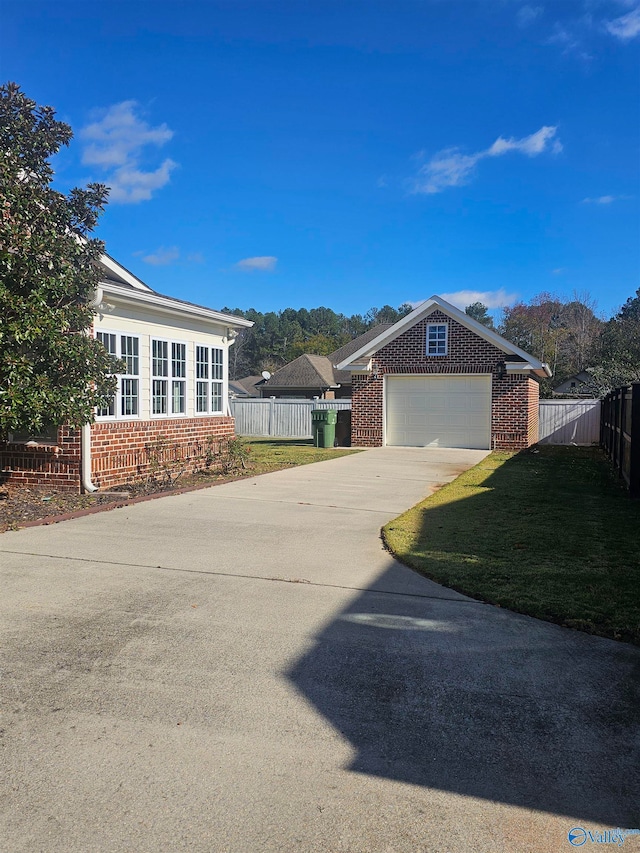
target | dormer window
[{"x": 437, "y": 339}]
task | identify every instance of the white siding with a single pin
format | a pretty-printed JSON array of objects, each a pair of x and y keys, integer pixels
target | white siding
[{"x": 146, "y": 324}]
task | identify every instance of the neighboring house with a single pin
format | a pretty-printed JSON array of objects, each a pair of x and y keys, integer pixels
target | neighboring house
[
  {"x": 574, "y": 386},
  {"x": 438, "y": 378},
  {"x": 246, "y": 387},
  {"x": 310, "y": 375},
  {"x": 171, "y": 403}
]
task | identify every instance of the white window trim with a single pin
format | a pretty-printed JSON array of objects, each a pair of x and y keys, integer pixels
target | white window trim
[
  {"x": 209, "y": 382},
  {"x": 169, "y": 378},
  {"x": 117, "y": 416},
  {"x": 446, "y": 340}
]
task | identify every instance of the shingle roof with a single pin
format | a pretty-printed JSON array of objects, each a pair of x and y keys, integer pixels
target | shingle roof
[
  {"x": 343, "y": 377},
  {"x": 318, "y": 371},
  {"x": 246, "y": 385},
  {"x": 353, "y": 346},
  {"x": 306, "y": 371}
]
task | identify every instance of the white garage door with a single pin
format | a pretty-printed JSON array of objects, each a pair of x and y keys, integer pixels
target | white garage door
[{"x": 438, "y": 411}]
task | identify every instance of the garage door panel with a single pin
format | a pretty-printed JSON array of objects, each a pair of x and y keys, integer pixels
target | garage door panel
[{"x": 438, "y": 411}]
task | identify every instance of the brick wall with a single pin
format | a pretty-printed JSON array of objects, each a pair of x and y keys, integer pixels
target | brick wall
[
  {"x": 55, "y": 465},
  {"x": 514, "y": 415},
  {"x": 118, "y": 452},
  {"x": 514, "y": 412}
]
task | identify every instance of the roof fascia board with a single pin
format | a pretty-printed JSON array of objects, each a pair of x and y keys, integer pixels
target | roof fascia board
[
  {"x": 168, "y": 306},
  {"x": 524, "y": 367},
  {"x": 124, "y": 274},
  {"x": 423, "y": 310}
]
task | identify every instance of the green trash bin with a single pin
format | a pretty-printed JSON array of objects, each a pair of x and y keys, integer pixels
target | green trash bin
[{"x": 323, "y": 423}]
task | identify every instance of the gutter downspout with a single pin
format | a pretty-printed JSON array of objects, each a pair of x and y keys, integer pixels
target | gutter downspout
[
  {"x": 85, "y": 434},
  {"x": 85, "y": 460}
]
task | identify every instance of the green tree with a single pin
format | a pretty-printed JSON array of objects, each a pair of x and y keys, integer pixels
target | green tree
[
  {"x": 52, "y": 371},
  {"x": 480, "y": 312},
  {"x": 558, "y": 333},
  {"x": 616, "y": 353}
]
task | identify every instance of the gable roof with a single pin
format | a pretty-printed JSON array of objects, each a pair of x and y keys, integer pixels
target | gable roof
[
  {"x": 360, "y": 358},
  {"x": 118, "y": 281},
  {"x": 306, "y": 371},
  {"x": 118, "y": 274},
  {"x": 245, "y": 387},
  {"x": 353, "y": 346}
]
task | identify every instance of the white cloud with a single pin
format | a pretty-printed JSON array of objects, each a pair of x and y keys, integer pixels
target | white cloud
[
  {"x": 531, "y": 145},
  {"x": 162, "y": 256},
  {"x": 116, "y": 144},
  {"x": 626, "y": 27},
  {"x": 266, "y": 263},
  {"x": 559, "y": 271},
  {"x": 451, "y": 168},
  {"x": 462, "y": 298},
  {"x": 490, "y": 298},
  {"x": 528, "y": 14},
  {"x": 130, "y": 185},
  {"x": 604, "y": 199}
]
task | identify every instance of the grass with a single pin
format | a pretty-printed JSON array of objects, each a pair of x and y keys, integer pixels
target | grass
[
  {"x": 273, "y": 454},
  {"x": 549, "y": 532}
]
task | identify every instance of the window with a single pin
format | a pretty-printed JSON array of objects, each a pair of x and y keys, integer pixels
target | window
[
  {"x": 437, "y": 339},
  {"x": 209, "y": 380},
  {"x": 168, "y": 377},
  {"x": 126, "y": 402}
]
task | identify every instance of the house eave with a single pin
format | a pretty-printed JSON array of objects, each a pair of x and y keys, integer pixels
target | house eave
[
  {"x": 166, "y": 305},
  {"x": 544, "y": 371}
]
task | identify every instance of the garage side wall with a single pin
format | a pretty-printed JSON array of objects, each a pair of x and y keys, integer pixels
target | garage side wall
[
  {"x": 514, "y": 412},
  {"x": 514, "y": 421}
]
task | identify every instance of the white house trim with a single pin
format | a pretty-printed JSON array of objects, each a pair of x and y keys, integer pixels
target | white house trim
[
  {"x": 174, "y": 307},
  {"x": 123, "y": 274}
]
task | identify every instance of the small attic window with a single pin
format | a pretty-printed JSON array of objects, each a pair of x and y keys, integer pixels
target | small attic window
[{"x": 437, "y": 339}]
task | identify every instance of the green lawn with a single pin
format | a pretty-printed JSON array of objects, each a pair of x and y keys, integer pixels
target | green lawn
[
  {"x": 549, "y": 532},
  {"x": 271, "y": 454}
]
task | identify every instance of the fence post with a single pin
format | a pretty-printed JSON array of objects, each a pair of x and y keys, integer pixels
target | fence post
[
  {"x": 634, "y": 443},
  {"x": 272, "y": 409},
  {"x": 620, "y": 409}
]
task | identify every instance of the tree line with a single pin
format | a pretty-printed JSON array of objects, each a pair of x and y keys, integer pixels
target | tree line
[
  {"x": 277, "y": 337},
  {"x": 566, "y": 334}
]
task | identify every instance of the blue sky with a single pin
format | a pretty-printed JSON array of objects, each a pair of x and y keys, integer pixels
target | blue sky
[{"x": 350, "y": 154}]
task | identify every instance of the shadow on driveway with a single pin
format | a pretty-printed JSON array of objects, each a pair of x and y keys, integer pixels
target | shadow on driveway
[{"x": 464, "y": 697}]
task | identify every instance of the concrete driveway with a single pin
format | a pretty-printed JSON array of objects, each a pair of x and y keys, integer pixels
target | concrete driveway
[{"x": 244, "y": 669}]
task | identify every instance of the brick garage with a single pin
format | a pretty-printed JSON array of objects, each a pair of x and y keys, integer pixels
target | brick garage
[{"x": 510, "y": 377}]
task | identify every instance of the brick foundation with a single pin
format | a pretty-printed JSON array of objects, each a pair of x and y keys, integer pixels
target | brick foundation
[
  {"x": 56, "y": 465},
  {"x": 514, "y": 409},
  {"x": 119, "y": 452}
]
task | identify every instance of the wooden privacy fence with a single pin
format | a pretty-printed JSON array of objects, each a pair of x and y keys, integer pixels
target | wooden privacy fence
[
  {"x": 569, "y": 422},
  {"x": 620, "y": 433},
  {"x": 279, "y": 418}
]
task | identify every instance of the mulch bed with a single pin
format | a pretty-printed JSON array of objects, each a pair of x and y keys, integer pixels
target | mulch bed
[{"x": 22, "y": 506}]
